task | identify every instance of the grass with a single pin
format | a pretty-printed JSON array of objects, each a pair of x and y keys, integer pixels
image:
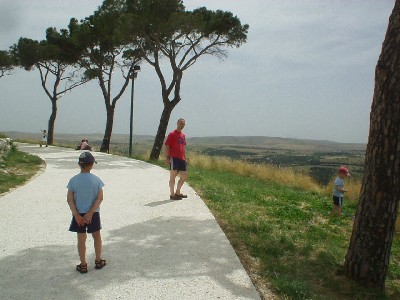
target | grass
[
  {"x": 279, "y": 223},
  {"x": 17, "y": 168},
  {"x": 269, "y": 173},
  {"x": 285, "y": 235}
]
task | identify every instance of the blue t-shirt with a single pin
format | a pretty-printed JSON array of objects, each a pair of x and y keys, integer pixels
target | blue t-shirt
[
  {"x": 85, "y": 187},
  {"x": 338, "y": 182}
]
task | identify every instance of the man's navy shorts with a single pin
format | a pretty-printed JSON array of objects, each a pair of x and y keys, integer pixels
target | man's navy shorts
[
  {"x": 94, "y": 226},
  {"x": 177, "y": 164},
  {"x": 338, "y": 201}
]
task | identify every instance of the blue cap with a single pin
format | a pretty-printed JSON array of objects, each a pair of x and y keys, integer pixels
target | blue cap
[{"x": 86, "y": 158}]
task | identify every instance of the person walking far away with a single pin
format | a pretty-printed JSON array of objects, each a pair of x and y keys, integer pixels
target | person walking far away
[
  {"x": 44, "y": 137},
  {"x": 85, "y": 194},
  {"x": 176, "y": 160},
  {"x": 338, "y": 191}
]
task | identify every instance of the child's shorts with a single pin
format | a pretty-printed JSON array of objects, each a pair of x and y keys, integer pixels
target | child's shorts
[
  {"x": 94, "y": 226},
  {"x": 338, "y": 201}
]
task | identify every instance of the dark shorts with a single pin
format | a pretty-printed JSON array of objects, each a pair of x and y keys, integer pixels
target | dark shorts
[
  {"x": 338, "y": 201},
  {"x": 177, "y": 164},
  {"x": 90, "y": 228}
]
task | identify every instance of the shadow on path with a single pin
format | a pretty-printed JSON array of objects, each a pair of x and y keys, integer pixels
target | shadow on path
[{"x": 145, "y": 255}]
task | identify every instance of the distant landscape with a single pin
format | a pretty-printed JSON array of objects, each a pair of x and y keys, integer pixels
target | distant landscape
[{"x": 319, "y": 159}]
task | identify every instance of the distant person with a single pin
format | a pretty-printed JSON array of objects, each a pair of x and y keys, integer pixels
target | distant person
[
  {"x": 338, "y": 191},
  {"x": 176, "y": 160},
  {"x": 85, "y": 145},
  {"x": 85, "y": 194},
  {"x": 80, "y": 145},
  {"x": 44, "y": 137}
]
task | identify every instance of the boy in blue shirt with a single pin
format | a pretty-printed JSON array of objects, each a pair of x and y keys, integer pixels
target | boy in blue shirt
[
  {"x": 338, "y": 191},
  {"x": 85, "y": 194}
]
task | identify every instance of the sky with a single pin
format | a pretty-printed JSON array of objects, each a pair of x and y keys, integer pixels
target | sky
[{"x": 305, "y": 72}]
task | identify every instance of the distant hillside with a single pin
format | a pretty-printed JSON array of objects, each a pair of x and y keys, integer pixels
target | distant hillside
[
  {"x": 277, "y": 143},
  {"x": 95, "y": 138},
  {"x": 256, "y": 142}
]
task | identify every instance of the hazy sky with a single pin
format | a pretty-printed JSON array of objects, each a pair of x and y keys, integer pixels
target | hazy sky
[{"x": 306, "y": 71}]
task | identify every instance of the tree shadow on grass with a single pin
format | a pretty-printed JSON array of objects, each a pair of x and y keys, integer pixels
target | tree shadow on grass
[{"x": 150, "y": 259}]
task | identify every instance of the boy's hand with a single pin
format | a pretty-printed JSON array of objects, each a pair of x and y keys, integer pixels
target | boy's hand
[
  {"x": 80, "y": 220},
  {"x": 88, "y": 217}
]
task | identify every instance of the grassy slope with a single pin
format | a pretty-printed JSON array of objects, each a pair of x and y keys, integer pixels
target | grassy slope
[
  {"x": 17, "y": 168},
  {"x": 286, "y": 237}
]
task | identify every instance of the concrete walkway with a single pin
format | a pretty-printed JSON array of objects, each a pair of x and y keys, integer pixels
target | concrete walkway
[{"x": 155, "y": 248}]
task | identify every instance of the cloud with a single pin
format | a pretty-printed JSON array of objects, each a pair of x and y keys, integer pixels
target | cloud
[{"x": 10, "y": 17}]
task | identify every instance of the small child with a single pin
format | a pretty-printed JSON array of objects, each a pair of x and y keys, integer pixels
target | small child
[
  {"x": 44, "y": 137},
  {"x": 85, "y": 193},
  {"x": 338, "y": 191}
]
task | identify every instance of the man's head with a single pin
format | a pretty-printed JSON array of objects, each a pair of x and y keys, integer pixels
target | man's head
[{"x": 180, "y": 124}]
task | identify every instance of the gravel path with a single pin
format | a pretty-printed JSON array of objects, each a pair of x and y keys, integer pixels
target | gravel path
[{"x": 155, "y": 248}]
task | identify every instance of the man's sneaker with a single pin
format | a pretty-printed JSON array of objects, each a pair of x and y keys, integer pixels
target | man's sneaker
[
  {"x": 175, "y": 197},
  {"x": 181, "y": 195}
]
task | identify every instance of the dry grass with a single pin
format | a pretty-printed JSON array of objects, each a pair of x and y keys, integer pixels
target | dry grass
[
  {"x": 285, "y": 176},
  {"x": 282, "y": 175}
]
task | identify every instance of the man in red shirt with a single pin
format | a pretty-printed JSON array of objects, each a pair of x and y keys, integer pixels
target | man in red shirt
[{"x": 176, "y": 159}]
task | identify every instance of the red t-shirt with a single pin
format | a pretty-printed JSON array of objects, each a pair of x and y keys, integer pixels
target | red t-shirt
[{"x": 176, "y": 141}]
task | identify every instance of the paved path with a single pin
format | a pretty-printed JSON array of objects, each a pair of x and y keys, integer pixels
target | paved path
[{"x": 155, "y": 248}]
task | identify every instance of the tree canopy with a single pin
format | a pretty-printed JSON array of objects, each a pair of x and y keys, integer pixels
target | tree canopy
[
  {"x": 164, "y": 29},
  {"x": 55, "y": 59},
  {"x": 7, "y": 63},
  {"x": 122, "y": 33},
  {"x": 104, "y": 48}
]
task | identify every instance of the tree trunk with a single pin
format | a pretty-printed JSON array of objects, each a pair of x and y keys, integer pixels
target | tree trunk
[
  {"x": 162, "y": 128},
  {"x": 367, "y": 259},
  {"x": 105, "y": 146},
  {"x": 52, "y": 120}
]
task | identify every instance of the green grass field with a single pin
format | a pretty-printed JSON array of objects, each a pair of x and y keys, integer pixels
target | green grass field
[{"x": 286, "y": 237}]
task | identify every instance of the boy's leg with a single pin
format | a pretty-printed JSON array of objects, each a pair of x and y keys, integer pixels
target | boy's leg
[
  {"x": 97, "y": 244},
  {"x": 334, "y": 209},
  {"x": 181, "y": 181},
  {"x": 339, "y": 209},
  {"x": 82, "y": 247}
]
